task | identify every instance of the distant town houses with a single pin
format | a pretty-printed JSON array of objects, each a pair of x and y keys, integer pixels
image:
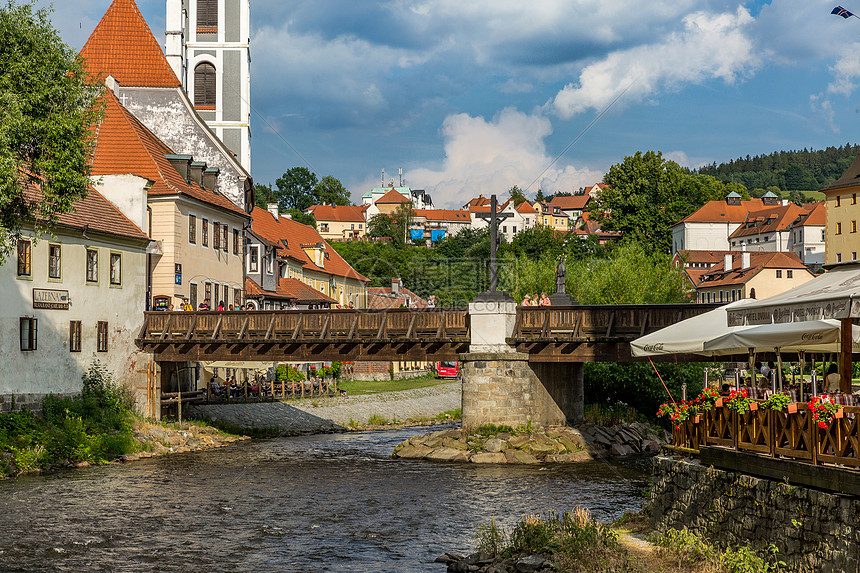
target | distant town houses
[
  {"x": 843, "y": 212},
  {"x": 758, "y": 274}
]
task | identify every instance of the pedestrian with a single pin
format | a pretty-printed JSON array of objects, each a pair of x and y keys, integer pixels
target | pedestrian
[
  {"x": 527, "y": 301},
  {"x": 186, "y": 306},
  {"x": 431, "y": 303},
  {"x": 544, "y": 300},
  {"x": 203, "y": 305},
  {"x": 221, "y": 305}
]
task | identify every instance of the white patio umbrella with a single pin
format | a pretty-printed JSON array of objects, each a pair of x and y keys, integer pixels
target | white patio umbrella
[
  {"x": 689, "y": 336},
  {"x": 809, "y": 336}
]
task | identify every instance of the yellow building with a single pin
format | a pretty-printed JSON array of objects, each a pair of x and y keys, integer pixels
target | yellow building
[
  {"x": 339, "y": 222},
  {"x": 199, "y": 231},
  {"x": 751, "y": 275},
  {"x": 842, "y": 213},
  {"x": 551, "y": 216}
]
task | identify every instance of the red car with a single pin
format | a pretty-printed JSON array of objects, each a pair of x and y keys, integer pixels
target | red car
[{"x": 448, "y": 369}]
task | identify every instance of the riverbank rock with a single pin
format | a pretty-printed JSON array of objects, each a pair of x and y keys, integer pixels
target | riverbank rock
[
  {"x": 159, "y": 440},
  {"x": 554, "y": 444},
  {"x": 486, "y": 563}
]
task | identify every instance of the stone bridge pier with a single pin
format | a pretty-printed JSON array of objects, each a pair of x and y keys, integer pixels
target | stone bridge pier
[{"x": 500, "y": 386}]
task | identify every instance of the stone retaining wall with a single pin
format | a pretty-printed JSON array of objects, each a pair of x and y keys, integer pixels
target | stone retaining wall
[
  {"x": 813, "y": 530},
  {"x": 32, "y": 402}
]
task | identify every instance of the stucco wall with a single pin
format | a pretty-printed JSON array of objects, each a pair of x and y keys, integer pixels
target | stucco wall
[{"x": 52, "y": 368}]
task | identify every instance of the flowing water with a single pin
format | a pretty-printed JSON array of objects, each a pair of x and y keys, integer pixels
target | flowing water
[{"x": 314, "y": 503}]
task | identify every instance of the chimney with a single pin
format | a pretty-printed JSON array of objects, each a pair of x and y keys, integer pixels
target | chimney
[
  {"x": 745, "y": 260},
  {"x": 197, "y": 168},
  {"x": 395, "y": 286},
  {"x": 210, "y": 178},
  {"x": 727, "y": 263},
  {"x": 182, "y": 164},
  {"x": 273, "y": 209}
]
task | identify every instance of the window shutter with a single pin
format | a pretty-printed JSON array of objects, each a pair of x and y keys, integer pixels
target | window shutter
[{"x": 204, "y": 85}]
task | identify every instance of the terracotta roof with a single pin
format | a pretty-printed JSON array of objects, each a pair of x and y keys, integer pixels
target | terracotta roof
[
  {"x": 596, "y": 188},
  {"x": 768, "y": 220},
  {"x": 814, "y": 216},
  {"x": 722, "y": 212},
  {"x": 690, "y": 257},
  {"x": 392, "y": 197},
  {"x": 759, "y": 260},
  {"x": 294, "y": 234},
  {"x": 339, "y": 213},
  {"x": 93, "y": 213},
  {"x": 486, "y": 208},
  {"x": 573, "y": 202},
  {"x": 451, "y": 215},
  {"x": 288, "y": 289},
  {"x": 585, "y": 225},
  {"x": 526, "y": 208},
  {"x": 695, "y": 275},
  {"x": 477, "y": 202},
  {"x": 124, "y": 145},
  {"x": 122, "y": 45},
  {"x": 382, "y": 297}
]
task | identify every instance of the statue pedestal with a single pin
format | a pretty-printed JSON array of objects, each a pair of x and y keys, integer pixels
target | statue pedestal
[{"x": 561, "y": 299}]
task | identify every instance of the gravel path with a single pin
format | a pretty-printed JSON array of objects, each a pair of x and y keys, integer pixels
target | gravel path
[{"x": 417, "y": 403}]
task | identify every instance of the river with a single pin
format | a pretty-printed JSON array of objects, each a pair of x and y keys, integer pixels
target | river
[{"x": 333, "y": 502}]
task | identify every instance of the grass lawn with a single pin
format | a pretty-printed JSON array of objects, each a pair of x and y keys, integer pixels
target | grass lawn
[{"x": 358, "y": 387}]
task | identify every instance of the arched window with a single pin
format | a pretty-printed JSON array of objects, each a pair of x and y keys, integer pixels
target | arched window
[
  {"x": 207, "y": 14},
  {"x": 204, "y": 85}
]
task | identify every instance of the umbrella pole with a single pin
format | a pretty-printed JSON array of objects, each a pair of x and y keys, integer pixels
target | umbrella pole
[
  {"x": 779, "y": 366},
  {"x": 846, "y": 346}
]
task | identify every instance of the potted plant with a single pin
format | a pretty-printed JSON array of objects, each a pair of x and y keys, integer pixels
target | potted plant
[
  {"x": 739, "y": 401},
  {"x": 779, "y": 402},
  {"x": 824, "y": 410}
]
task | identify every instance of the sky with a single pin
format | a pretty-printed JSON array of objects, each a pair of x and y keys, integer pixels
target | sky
[{"x": 475, "y": 97}]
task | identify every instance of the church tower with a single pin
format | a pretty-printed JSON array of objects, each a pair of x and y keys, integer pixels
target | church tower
[{"x": 208, "y": 47}]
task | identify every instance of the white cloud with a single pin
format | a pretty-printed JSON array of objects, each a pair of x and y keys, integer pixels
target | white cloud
[
  {"x": 846, "y": 70},
  {"x": 486, "y": 157},
  {"x": 710, "y": 46}
]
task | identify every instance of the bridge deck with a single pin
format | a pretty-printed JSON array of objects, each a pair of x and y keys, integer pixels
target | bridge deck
[{"x": 547, "y": 334}]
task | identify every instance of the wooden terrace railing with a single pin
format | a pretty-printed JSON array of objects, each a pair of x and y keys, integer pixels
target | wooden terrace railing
[{"x": 784, "y": 434}]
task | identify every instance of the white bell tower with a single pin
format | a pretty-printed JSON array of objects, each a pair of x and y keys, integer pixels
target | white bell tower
[{"x": 208, "y": 47}]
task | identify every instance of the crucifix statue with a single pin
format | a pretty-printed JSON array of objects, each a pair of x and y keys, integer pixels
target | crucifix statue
[{"x": 494, "y": 217}]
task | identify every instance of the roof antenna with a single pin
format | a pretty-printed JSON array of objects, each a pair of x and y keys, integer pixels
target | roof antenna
[
  {"x": 383, "y": 177},
  {"x": 401, "y": 176}
]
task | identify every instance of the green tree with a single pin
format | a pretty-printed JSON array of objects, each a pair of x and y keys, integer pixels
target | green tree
[
  {"x": 537, "y": 242},
  {"x": 295, "y": 189},
  {"x": 331, "y": 192},
  {"x": 647, "y": 194},
  {"x": 303, "y": 218},
  {"x": 517, "y": 195},
  {"x": 47, "y": 108},
  {"x": 263, "y": 195}
]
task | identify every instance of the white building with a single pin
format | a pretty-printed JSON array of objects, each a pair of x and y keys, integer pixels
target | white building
[
  {"x": 208, "y": 47},
  {"x": 72, "y": 297}
]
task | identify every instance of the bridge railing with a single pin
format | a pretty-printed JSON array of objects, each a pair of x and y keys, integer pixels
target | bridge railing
[
  {"x": 599, "y": 322},
  {"x": 347, "y": 325}
]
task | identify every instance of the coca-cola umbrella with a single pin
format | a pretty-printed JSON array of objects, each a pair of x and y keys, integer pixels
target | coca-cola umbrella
[
  {"x": 809, "y": 336},
  {"x": 689, "y": 336}
]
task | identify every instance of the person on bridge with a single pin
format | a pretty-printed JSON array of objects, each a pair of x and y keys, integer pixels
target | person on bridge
[
  {"x": 431, "y": 302},
  {"x": 832, "y": 380},
  {"x": 544, "y": 300},
  {"x": 527, "y": 301},
  {"x": 203, "y": 305},
  {"x": 186, "y": 306}
]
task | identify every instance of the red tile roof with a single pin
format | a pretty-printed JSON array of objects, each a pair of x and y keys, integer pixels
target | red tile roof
[
  {"x": 487, "y": 207},
  {"x": 690, "y": 257},
  {"x": 282, "y": 230},
  {"x": 93, "y": 214},
  {"x": 577, "y": 202},
  {"x": 526, "y": 208},
  {"x": 338, "y": 213},
  {"x": 477, "y": 202},
  {"x": 451, "y": 215},
  {"x": 722, "y": 212},
  {"x": 288, "y": 289},
  {"x": 122, "y": 45},
  {"x": 768, "y": 220},
  {"x": 393, "y": 197},
  {"x": 124, "y": 145},
  {"x": 382, "y": 297},
  {"x": 815, "y": 214},
  {"x": 759, "y": 260}
]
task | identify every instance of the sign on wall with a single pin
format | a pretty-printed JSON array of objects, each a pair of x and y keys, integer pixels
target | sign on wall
[
  {"x": 177, "y": 270},
  {"x": 50, "y": 299}
]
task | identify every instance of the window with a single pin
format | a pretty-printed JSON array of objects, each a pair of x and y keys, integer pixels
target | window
[
  {"x": 217, "y": 299},
  {"x": 360, "y": 226},
  {"x": 74, "y": 336},
  {"x": 721, "y": 296},
  {"x": 789, "y": 274},
  {"x": 92, "y": 266},
  {"x": 192, "y": 295},
  {"x": 237, "y": 296},
  {"x": 116, "y": 269},
  {"x": 853, "y": 226},
  {"x": 235, "y": 241},
  {"x": 204, "y": 86},
  {"x": 838, "y": 201},
  {"x": 838, "y": 257},
  {"x": 204, "y": 228},
  {"x": 822, "y": 234},
  {"x": 779, "y": 273},
  {"x": 55, "y": 266},
  {"x": 207, "y": 293},
  {"x": 254, "y": 259},
  {"x": 854, "y": 198},
  {"x": 29, "y": 328},
  {"x": 853, "y": 255},
  {"x": 25, "y": 250},
  {"x": 192, "y": 228},
  {"x": 225, "y": 233},
  {"x": 838, "y": 228},
  {"x": 515, "y": 229},
  {"x": 269, "y": 266},
  {"x": 216, "y": 235},
  {"x": 101, "y": 336},
  {"x": 504, "y": 228},
  {"x": 734, "y": 294},
  {"x": 207, "y": 14}
]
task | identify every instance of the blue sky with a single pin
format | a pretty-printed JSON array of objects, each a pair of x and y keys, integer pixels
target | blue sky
[{"x": 475, "y": 97}]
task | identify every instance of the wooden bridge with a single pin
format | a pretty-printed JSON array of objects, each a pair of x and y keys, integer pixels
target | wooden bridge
[{"x": 547, "y": 334}]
